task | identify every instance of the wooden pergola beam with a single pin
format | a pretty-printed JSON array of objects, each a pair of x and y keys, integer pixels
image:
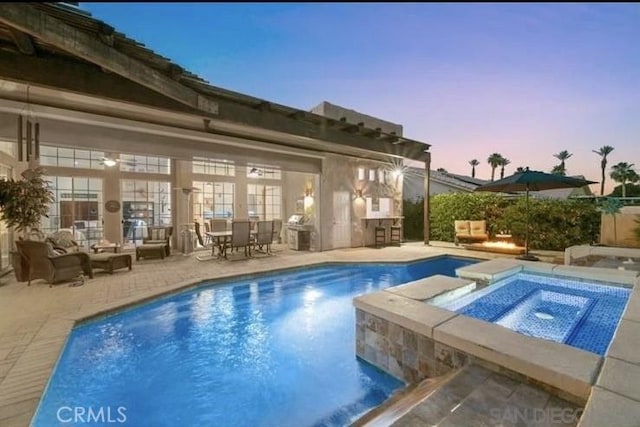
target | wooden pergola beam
[
  {"x": 23, "y": 41},
  {"x": 40, "y": 25}
]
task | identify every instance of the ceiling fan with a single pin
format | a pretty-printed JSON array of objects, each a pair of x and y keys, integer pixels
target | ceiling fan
[{"x": 111, "y": 162}]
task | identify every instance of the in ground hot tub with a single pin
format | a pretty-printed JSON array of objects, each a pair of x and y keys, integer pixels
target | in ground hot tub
[{"x": 580, "y": 313}]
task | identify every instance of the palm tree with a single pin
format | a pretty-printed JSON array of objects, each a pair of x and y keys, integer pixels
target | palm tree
[
  {"x": 473, "y": 164},
  {"x": 623, "y": 172},
  {"x": 494, "y": 160},
  {"x": 504, "y": 162},
  {"x": 603, "y": 152},
  {"x": 562, "y": 156},
  {"x": 559, "y": 170}
]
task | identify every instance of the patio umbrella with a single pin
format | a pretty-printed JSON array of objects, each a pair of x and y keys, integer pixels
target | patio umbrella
[{"x": 527, "y": 181}]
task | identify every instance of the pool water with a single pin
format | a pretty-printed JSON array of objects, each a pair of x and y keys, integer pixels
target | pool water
[
  {"x": 583, "y": 314},
  {"x": 274, "y": 350}
]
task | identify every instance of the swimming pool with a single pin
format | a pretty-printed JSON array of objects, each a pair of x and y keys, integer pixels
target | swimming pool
[
  {"x": 582, "y": 314},
  {"x": 273, "y": 350}
]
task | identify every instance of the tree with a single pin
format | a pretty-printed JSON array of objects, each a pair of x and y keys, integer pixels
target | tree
[
  {"x": 562, "y": 156},
  {"x": 603, "y": 152},
  {"x": 559, "y": 170},
  {"x": 494, "y": 160},
  {"x": 473, "y": 164},
  {"x": 504, "y": 162},
  {"x": 24, "y": 202},
  {"x": 623, "y": 172}
]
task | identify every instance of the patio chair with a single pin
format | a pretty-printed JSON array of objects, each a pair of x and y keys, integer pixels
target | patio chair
[
  {"x": 470, "y": 230},
  {"x": 264, "y": 237},
  {"x": 277, "y": 230},
  {"x": 44, "y": 263},
  {"x": 159, "y": 235},
  {"x": 218, "y": 225},
  {"x": 240, "y": 237},
  {"x": 207, "y": 229},
  {"x": 203, "y": 241}
]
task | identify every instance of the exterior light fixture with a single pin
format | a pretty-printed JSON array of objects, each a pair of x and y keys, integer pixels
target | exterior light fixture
[
  {"x": 109, "y": 162},
  {"x": 358, "y": 193},
  {"x": 255, "y": 172}
]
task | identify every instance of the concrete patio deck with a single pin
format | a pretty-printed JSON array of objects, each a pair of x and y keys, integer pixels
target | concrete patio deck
[{"x": 36, "y": 320}]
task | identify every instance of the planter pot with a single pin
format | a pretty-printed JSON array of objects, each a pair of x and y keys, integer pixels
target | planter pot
[{"x": 20, "y": 266}]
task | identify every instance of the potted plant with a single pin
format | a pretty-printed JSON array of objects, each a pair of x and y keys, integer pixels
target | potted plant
[{"x": 22, "y": 204}]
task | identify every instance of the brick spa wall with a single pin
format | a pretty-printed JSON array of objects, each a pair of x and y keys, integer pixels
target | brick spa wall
[
  {"x": 412, "y": 357},
  {"x": 403, "y": 353}
]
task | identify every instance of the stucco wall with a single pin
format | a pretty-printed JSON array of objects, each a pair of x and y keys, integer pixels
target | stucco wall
[
  {"x": 340, "y": 173},
  {"x": 620, "y": 232},
  {"x": 336, "y": 112}
]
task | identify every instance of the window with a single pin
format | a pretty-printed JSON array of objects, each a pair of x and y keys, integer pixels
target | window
[
  {"x": 213, "y": 200},
  {"x": 208, "y": 166},
  {"x": 71, "y": 158},
  {"x": 77, "y": 207},
  {"x": 144, "y": 203},
  {"x": 144, "y": 164},
  {"x": 9, "y": 147},
  {"x": 264, "y": 201},
  {"x": 372, "y": 174},
  {"x": 361, "y": 174}
]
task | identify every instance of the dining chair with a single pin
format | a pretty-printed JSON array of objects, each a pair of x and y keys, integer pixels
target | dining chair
[
  {"x": 218, "y": 225},
  {"x": 207, "y": 229},
  {"x": 240, "y": 237},
  {"x": 264, "y": 237}
]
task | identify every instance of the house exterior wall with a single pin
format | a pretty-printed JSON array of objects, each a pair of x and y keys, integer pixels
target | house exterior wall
[
  {"x": 336, "y": 112},
  {"x": 340, "y": 173}
]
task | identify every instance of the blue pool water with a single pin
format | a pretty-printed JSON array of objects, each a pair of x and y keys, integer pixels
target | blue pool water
[
  {"x": 583, "y": 314},
  {"x": 274, "y": 350}
]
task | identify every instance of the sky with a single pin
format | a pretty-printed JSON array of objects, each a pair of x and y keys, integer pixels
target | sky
[{"x": 470, "y": 79}]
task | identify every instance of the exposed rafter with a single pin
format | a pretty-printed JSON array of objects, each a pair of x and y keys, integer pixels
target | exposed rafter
[
  {"x": 32, "y": 21},
  {"x": 23, "y": 41}
]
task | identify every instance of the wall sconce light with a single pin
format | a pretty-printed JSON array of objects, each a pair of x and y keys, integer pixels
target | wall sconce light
[
  {"x": 308, "y": 192},
  {"x": 358, "y": 193},
  {"x": 396, "y": 173}
]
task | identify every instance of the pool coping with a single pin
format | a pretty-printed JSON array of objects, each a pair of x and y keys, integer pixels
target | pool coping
[
  {"x": 586, "y": 376},
  {"x": 26, "y": 382}
]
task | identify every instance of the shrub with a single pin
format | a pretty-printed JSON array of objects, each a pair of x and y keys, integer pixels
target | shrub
[{"x": 554, "y": 224}]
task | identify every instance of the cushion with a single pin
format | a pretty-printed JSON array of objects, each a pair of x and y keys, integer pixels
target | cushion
[
  {"x": 462, "y": 227},
  {"x": 52, "y": 251},
  {"x": 478, "y": 228},
  {"x": 158, "y": 234}
]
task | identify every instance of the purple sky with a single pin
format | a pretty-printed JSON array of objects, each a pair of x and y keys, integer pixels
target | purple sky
[{"x": 523, "y": 80}]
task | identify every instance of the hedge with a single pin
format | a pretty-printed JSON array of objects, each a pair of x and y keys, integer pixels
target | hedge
[{"x": 554, "y": 224}]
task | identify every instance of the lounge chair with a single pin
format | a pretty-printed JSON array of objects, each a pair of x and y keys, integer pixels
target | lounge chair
[
  {"x": 159, "y": 236},
  {"x": 470, "y": 230},
  {"x": 44, "y": 263}
]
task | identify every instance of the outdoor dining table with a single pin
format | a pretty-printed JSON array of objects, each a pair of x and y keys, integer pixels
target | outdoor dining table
[{"x": 219, "y": 239}]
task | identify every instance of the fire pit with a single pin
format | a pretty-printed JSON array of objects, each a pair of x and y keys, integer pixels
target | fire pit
[{"x": 497, "y": 247}]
